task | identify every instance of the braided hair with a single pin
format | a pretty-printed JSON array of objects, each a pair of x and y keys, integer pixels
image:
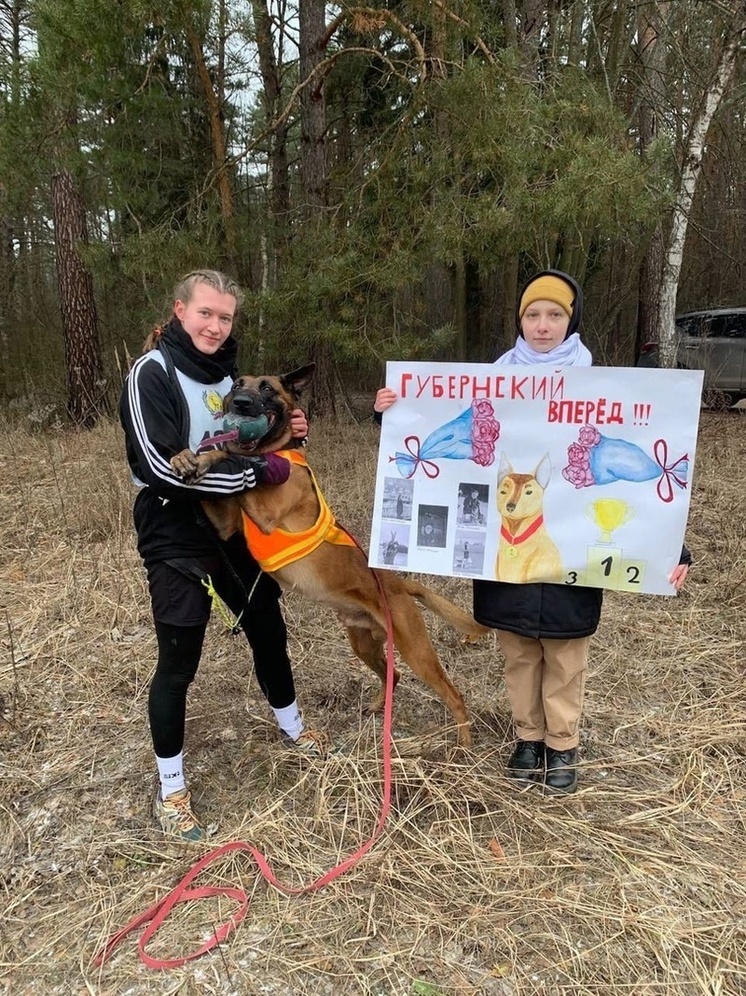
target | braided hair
[{"x": 184, "y": 290}]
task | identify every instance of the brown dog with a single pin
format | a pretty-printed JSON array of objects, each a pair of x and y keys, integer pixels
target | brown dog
[{"x": 334, "y": 573}]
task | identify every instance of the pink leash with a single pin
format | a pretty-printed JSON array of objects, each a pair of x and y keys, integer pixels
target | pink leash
[{"x": 156, "y": 914}]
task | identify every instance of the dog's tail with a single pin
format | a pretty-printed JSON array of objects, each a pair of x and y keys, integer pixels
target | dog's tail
[{"x": 447, "y": 611}]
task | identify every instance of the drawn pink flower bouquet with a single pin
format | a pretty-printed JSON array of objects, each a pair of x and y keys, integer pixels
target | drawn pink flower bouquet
[
  {"x": 485, "y": 431},
  {"x": 597, "y": 459},
  {"x": 470, "y": 436},
  {"x": 578, "y": 470}
]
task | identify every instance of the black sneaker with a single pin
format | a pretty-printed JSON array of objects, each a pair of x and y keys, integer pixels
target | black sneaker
[
  {"x": 562, "y": 771},
  {"x": 527, "y": 761}
]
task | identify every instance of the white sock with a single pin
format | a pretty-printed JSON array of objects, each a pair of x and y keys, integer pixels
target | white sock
[
  {"x": 171, "y": 773},
  {"x": 289, "y": 720}
]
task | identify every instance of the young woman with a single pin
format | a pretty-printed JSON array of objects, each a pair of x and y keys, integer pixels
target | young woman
[
  {"x": 172, "y": 399},
  {"x": 544, "y": 630}
]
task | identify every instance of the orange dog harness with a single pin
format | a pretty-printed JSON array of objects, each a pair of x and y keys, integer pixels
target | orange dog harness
[{"x": 281, "y": 547}]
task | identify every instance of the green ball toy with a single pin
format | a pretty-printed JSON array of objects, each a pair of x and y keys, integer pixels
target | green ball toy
[{"x": 249, "y": 429}]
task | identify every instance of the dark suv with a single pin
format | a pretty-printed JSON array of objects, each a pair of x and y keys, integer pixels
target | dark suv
[{"x": 713, "y": 341}]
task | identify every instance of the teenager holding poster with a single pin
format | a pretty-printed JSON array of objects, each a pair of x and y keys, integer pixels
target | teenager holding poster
[{"x": 544, "y": 629}]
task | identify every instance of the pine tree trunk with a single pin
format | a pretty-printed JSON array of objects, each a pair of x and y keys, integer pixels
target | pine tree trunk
[
  {"x": 651, "y": 23},
  {"x": 279, "y": 194},
  {"x": 7, "y": 280},
  {"x": 77, "y": 304},
  {"x": 532, "y": 19},
  {"x": 312, "y": 107},
  {"x": 509, "y": 295},
  {"x": 450, "y": 278},
  {"x": 9, "y": 219},
  {"x": 509, "y": 16},
  {"x": 219, "y": 148},
  {"x": 313, "y": 170}
]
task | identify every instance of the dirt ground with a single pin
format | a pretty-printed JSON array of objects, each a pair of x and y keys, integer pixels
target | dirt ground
[{"x": 636, "y": 886}]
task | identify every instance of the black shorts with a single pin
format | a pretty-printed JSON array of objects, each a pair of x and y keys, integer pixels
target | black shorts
[{"x": 179, "y": 597}]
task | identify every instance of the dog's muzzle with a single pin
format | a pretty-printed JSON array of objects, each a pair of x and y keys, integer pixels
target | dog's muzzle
[
  {"x": 245, "y": 405},
  {"x": 247, "y": 417}
]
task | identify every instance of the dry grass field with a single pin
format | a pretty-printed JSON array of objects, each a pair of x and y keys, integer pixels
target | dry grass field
[{"x": 636, "y": 886}]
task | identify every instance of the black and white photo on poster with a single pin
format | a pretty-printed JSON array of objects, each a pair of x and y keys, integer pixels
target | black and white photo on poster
[{"x": 394, "y": 546}]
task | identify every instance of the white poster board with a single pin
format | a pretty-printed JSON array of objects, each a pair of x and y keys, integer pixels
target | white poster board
[{"x": 578, "y": 475}]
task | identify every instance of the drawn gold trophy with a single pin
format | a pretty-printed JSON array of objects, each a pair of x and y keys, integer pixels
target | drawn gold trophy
[{"x": 609, "y": 514}]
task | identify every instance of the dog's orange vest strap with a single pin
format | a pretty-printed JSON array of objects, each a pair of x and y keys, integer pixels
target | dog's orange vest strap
[{"x": 281, "y": 547}]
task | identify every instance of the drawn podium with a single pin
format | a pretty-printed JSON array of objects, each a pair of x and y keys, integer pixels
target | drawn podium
[{"x": 606, "y": 566}]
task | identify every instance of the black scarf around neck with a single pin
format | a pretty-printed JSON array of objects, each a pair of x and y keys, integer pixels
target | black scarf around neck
[{"x": 199, "y": 366}]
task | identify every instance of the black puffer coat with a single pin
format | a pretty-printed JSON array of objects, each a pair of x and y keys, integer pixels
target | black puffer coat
[
  {"x": 551, "y": 611},
  {"x": 544, "y": 611}
]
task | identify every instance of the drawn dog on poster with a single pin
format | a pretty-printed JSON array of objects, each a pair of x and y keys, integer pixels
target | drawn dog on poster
[{"x": 527, "y": 551}]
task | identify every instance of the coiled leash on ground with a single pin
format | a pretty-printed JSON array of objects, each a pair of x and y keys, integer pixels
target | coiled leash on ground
[{"x": 157, "y": 914}]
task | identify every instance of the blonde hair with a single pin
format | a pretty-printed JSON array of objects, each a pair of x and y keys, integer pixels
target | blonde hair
[
  {"x": 185, "y": 288},
  {"x": 213, "y": 278}
]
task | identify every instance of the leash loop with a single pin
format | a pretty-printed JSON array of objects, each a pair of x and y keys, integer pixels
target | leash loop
[
  {"x": 158, "y": 912},
  {"x": 232, "y": 622}
]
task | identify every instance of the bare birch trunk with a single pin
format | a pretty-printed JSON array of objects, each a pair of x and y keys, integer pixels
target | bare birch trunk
[{"x": 690, "y": 173}]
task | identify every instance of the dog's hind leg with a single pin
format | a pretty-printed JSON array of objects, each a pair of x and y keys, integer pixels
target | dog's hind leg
[
  {"x": 367, "y": 635},
  {"x": 368, "y": 647},
  {"x": 413, "y": 643}
]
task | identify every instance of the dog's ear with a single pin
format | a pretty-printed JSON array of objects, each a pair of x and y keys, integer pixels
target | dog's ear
[
  {"x": 298, "y": 380},
  {"x": 543, "y": 471},
  {"x": 504, "y": 469}
]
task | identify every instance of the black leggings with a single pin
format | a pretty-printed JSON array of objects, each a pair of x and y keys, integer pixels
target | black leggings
[{"x": 180, "y": 646}]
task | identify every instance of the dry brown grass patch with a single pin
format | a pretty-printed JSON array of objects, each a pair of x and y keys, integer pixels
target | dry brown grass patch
[{"x": 636, "y": 886}]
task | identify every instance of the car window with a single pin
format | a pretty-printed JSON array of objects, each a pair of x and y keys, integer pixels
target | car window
[
  {"x": 726, "y": 326},
  {"x": 693, "y": 325},
  {"x": 734, "y": 326},
  {"x": 716, "y": 327}
]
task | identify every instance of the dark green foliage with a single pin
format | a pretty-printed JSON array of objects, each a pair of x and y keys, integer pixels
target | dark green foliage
[
  {"x": 455, "y": 165},
  {"x": 523, "y": 171}
]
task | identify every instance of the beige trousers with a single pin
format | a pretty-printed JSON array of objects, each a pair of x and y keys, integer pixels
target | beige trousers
[{"x": 545, "y": 680}]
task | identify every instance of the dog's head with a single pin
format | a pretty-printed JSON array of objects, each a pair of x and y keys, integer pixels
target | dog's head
[
  {"x": 259, "y": 408},
  {"x": 521, "y": 495}
]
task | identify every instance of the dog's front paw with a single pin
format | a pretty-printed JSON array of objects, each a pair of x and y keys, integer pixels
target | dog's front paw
[{"x": 186, "y": 466}]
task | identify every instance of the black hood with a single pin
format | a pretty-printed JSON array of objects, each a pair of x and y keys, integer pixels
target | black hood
[{"x": 577, "y": 309}]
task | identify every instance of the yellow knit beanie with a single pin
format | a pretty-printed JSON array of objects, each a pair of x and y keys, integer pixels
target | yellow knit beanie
[{"x": 548, "y": 288}]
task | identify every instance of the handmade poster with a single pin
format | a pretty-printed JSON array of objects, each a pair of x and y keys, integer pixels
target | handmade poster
[{"x": 573, "y": 475}]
